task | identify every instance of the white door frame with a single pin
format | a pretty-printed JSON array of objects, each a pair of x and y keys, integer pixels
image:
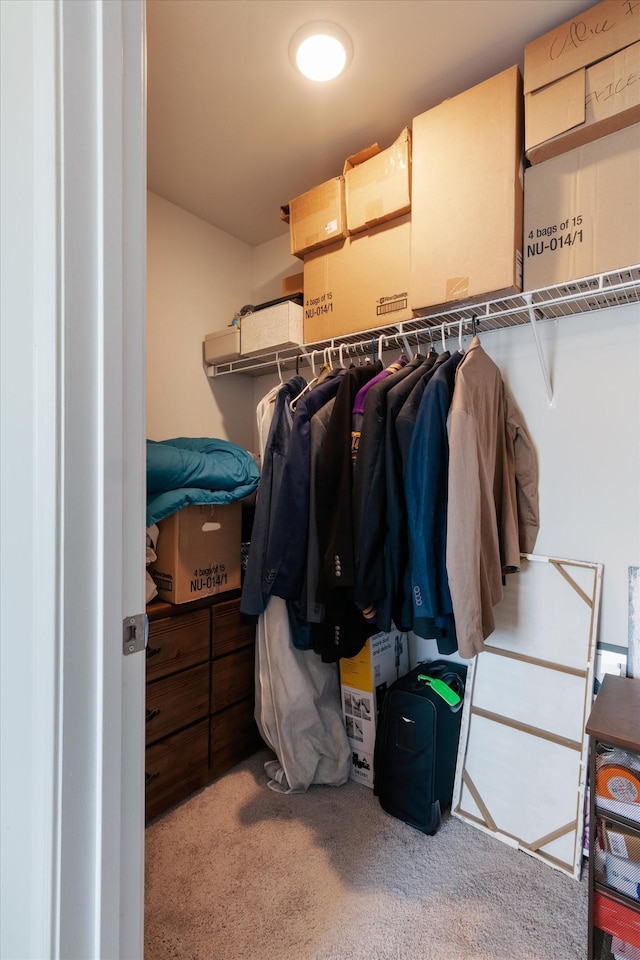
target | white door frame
[{"x": 72, "y": 271}]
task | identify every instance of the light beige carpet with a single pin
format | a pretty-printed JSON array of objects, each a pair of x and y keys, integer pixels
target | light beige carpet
[{"x": 241, "y": 873}]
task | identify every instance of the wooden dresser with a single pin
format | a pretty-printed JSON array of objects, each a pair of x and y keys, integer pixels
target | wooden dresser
[{"x": 199, "y": 696}]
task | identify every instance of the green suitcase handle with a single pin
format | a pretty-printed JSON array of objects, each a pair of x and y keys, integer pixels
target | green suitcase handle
[{"x": 442, "y": 689}]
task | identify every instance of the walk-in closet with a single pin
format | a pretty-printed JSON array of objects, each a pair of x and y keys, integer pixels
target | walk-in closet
[
  {"x": 289, "y": 849},
  {"x": 360, "y": 355}
]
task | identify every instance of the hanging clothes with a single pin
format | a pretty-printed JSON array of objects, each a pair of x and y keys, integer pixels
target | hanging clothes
[
  {"x": 343, "y": 631},
  {"x": 275, "y": 421},
  {"x": 284, "y": 574},
  {"x": 405, "y": 425},
  {"x": 319, "y": 424},
  {"x": 357, "y": 414},
  {"x": 482, "y": 527},
  {"x": 396, "y": 605},
  {"x": 298, "y": 707},
  {"x": 524, "y": 468},
  {"x": 426, "y": 485},
  {"x": 369, "y": 495}
]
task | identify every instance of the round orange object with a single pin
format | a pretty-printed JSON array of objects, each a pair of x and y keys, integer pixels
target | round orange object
[{"x": 618, "y": 783}]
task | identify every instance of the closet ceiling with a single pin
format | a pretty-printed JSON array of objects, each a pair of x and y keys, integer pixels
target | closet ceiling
[{"x": 234, "y": 131}]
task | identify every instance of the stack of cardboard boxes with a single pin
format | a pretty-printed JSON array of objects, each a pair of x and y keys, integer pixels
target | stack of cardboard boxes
[
  {"x": 582, "y": 109},
  {"x": 448, "y": 215},
  {"x": 353, "y": 233}
]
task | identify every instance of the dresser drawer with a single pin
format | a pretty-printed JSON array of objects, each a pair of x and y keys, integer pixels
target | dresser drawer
[
  {"x": 176, "y": 643},
  {"x": 232, "y": 678},
  {"x": 228, "y": 631},
  {"x": 234, "y": 736},
  {"x": 175, "y": 767},
  {"x": 174, "y": 702}
]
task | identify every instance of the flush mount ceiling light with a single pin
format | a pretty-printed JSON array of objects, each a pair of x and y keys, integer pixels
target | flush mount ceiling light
[{"x": 321, "y": 50}]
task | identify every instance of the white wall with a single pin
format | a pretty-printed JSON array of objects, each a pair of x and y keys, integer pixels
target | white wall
[
  {"x": 271, "y": 263},
  {"x": 197, "y": 278},
  {"x": 588, "y": 444}
]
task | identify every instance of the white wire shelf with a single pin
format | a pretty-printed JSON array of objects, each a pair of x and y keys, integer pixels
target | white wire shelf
[{"x": 613, "y": 289}]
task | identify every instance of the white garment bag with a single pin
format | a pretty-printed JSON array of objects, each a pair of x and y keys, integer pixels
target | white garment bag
[{"x": 298, "y": 708}]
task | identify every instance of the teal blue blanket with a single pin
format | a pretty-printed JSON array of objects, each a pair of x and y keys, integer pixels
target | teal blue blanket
[{"x": 196, "y": 470}]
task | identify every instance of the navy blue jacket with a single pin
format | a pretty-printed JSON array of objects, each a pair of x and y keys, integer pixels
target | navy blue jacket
[
  {"x": 426, "y": 486},
  {"x": 286, "y": 559},
  {"x": 394, "y": 607},
  {"x": 253, "y": 600}
]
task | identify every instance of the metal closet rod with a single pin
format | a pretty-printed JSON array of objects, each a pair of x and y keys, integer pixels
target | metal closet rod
[{"x": 369, "y": 343}]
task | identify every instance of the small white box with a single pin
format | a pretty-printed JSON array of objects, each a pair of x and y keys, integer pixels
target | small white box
[
  {"x": 222, "y": 346},
  {"x": 271, "y": 328},
  {"x": 364, "y": 680}
]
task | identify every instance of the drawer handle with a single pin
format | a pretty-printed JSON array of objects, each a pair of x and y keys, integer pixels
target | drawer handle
[
  {"x": 152, "y": 714},
  {"x": 150, "y": 777},
  {"x": 153, "y": 652}
]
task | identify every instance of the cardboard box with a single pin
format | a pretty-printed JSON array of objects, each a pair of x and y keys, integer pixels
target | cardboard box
[
  {"x": 279, "y": 325},
  {"x": 590, "y": 103},
  {"x": 621, "y": 842},
  {"x": 364, "y": 680},
  {"x": 359, "y": 284},
  {"x": 316, "y": 218},
  {"x": 582, "y": 211},
  {"x": 222, "y": 345},
  {"x": 466, "y": 213},
  {"x": 198, "y": 552},
  {"x": 377, "y": 184},
  {"x": 590, "y": 36},
  {"x": 292, "y": 284}
]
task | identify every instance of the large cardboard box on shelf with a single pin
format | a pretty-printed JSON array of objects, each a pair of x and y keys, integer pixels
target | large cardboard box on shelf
[
  {"x": 378, "y": 184},
  {"x": 590, "y": 36},
  {"x": 582, "y": 211},
  {"x": 364, "y": 680},
  {"x": 359, "y": 284},
  {"x": 275, "y": 326},
  {"x": 198, "y": 552},
  {"x": 590, "y": 103},
  {"x": 317, "y": 217},
  {"x": 467, "y": 198}
]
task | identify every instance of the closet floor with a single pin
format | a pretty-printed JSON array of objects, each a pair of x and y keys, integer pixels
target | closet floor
[{"x": 239, "y": 872}]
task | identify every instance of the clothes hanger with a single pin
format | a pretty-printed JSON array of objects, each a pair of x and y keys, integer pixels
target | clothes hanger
[
  {"x": 340, "y": 360},
  {"x": 407, "y": 348},
  {"x": 460, "y": 347},
  {"x": 380, "y": 342},
  {"x": 279, "y": 369},
  {"x": 444, "y": 345},
  {"x": 307, "y": 386}
]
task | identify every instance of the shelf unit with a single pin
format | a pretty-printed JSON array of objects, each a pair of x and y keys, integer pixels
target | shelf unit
[
  {"x": 612, "y": 289},
  {"x": 613, "y": 724}
]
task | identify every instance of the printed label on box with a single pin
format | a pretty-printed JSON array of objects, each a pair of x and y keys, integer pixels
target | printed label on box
[{"x": 398, "y": 301}]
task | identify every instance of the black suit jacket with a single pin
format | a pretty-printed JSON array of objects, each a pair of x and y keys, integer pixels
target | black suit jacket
[{"x": 342, "y": 633}]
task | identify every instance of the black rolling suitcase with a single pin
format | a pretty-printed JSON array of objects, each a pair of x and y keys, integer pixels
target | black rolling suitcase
[{"x": 417, "y": 743}]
